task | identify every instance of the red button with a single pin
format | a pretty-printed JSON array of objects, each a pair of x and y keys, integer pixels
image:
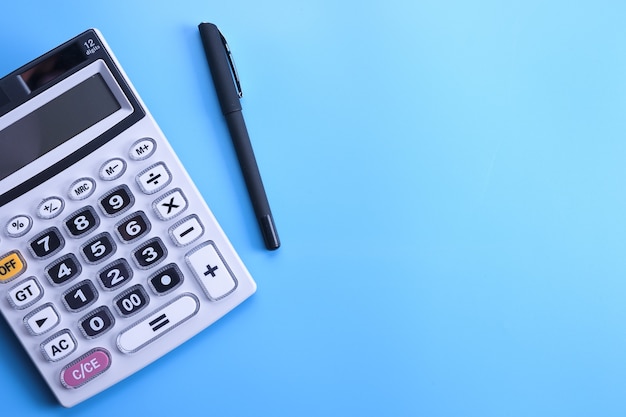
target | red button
[{"x": 86, "y": 368}]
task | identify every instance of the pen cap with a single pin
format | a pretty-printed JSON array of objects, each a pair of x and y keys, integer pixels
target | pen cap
[{"x": 216, "y": 51}]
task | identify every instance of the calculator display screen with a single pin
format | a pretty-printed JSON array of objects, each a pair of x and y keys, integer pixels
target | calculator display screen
[{"x": 54, "y": 123}]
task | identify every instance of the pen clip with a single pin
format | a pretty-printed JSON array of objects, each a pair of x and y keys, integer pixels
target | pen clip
[{"x": 232, "y": 65}]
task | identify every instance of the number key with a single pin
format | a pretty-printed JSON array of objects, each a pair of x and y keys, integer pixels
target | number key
[
  {"x": 80, "y": 296},
  {"x": 115, "y": 274},
  {"x": 63, "y": 269},
  {"x": 117, "y": 201},
  {"x": 131, "y": 301},
  {"x": 99, "y": 248},
  {"x": 82, "y": 222},
  {"x": 47, "y": 243},
  {"x": 150, "y": 253},
  {"x": 97, "y": 322},
  {"x": 133, "y": 227}
]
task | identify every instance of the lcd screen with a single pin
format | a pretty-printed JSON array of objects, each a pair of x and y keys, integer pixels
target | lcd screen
[{"x": 54, "y": 123}]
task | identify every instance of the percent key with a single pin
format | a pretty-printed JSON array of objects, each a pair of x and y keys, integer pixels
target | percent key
[{"x": 19, "y": 226}]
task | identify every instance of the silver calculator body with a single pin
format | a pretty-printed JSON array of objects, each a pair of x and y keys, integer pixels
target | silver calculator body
[{"x": 109, "y": 256}]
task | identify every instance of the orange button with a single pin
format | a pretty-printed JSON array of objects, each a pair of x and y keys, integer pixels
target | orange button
[{"x": 11, "y": 266}]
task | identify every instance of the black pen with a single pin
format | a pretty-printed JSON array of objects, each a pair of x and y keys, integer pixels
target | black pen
[{"x": 224, "y": 72}]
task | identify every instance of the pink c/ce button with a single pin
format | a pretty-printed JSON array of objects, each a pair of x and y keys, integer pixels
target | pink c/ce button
[{"x": 85, "y": 368}]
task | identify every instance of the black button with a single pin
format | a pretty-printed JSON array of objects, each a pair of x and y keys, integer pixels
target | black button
[
  {"x": 166, "y": 279},
  {"x": 115, "y": 274},
  {"x": 80, "y": 296},
  {"x": 131, "y": 301},
  {"x": 150, "y": 253},
  {"x": 117, "y": 201},
  {"x": 99, "y": 248},
  {"x": 47, "y": 243},
  {"x": 97, "y": 322},
  {"x": 82, "y": 222},
  {"x": 64, "y": 269},
  {"x": 133, "y": 227}
]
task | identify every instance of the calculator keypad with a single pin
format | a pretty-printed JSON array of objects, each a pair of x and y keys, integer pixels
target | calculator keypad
[
  {"x": 112, "y": 169},
  {"x": 97, "y": 249},
  {"x": 19, "y": 226},
  {"x": 104, "y": 265},
  {"x": 209, "y": 268},
  {"x": 150, "y": 253},
  {"x": 131, "y": 301},
  {"x": 187, "y": 230},
  {"x": 82, "y": 189}
]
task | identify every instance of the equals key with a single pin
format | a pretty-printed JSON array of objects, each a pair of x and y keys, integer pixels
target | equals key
[{"x": 158, "y": 323}]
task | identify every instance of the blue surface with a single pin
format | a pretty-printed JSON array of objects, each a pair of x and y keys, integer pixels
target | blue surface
[{"x": 449, "y": 184}]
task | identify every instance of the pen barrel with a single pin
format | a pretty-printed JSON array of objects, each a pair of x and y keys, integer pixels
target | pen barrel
[{"x": 252, "y": 177}]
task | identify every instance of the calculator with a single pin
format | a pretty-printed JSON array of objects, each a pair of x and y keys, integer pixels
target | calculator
[{"x": 109, "y": 256}]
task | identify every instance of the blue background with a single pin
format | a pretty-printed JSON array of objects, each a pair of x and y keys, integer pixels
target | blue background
[{"x": 449, "y": 184}]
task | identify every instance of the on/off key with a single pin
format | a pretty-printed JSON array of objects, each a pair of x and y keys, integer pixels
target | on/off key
[{"x": 11, "y": 265}]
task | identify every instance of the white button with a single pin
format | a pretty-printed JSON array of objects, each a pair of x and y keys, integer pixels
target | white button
[
  {"x": 142, "y": 149},
  {"x": 186, "y": 231},
  {"x": 112, "y": 169},
  {"x": 209, "y": 268},
  {"x": 154, "y": 178},
  {"x": 158, "y": 323},
  {"x": 42, "y": 320},
  {"x": 58, "y": 346},
  {"x": 25, "y": 293},
  {"x": 19, "y": 226},
  {"x": 170, "y": 205},
  {"x": 50, "y": 207},
  {"x": 82, "y": 188}
]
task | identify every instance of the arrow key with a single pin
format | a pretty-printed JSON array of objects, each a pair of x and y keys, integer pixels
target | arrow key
[{"x": 42, "y": 319}]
